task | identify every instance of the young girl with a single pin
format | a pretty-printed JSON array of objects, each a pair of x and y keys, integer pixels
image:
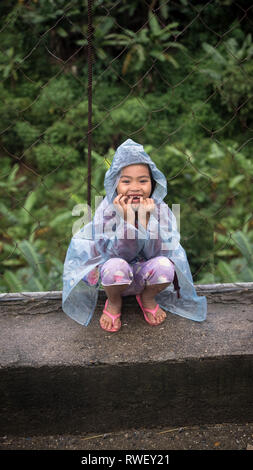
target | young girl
[{"x": 132, "y": 247}]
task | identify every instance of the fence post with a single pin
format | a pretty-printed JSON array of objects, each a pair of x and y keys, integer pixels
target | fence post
[{"x": 90, "y": 32}]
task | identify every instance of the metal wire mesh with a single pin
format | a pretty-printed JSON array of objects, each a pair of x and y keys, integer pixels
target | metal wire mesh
[{"x": 78, "y": 78}]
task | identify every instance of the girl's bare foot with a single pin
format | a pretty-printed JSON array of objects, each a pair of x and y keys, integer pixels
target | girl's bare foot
[
  {"x": 106, "y": 321},
  {"x": 151, "y": 303}
]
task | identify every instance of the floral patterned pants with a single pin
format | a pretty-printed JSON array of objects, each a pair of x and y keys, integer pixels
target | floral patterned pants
[{"x": 116, "y": 271}]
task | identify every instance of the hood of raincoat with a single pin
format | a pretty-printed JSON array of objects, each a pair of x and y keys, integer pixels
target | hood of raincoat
[
  {"x": 131, "y": 153},
  {"x": 99, "y": 240}
]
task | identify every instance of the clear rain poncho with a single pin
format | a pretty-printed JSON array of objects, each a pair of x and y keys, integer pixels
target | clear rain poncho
[{"x": 107, "y": 235}]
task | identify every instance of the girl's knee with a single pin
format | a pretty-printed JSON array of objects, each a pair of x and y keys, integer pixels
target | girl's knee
[
  {"x": 164, "y": 263},
  {"x": 116, "y": 271},
  {"x": 162, "y": 271}
]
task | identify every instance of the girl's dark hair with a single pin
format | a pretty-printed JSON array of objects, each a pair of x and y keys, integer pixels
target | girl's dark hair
[{"x": 153, "y": 182}]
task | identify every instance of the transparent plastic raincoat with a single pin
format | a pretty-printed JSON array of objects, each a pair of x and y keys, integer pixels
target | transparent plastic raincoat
[{"x": 107, "y": 235}]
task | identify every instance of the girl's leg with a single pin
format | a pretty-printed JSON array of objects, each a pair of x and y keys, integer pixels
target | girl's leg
[
  {"x": 148, "y": 301},
  {"x": 114, "y": 305},
  {"x": 157, "y": 274},
  {"x": 116, "y": 275}
]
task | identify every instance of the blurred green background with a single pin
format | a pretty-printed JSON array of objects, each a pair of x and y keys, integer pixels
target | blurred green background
[{"x": 173, "y": 76}]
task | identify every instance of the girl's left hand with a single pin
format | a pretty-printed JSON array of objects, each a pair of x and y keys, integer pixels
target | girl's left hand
[{"x": 147, "y": 206}]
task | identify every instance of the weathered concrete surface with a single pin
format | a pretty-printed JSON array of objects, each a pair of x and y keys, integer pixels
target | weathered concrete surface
[
  {"x": 224, "y": 436},
  {"x": 57, "y": 376}
]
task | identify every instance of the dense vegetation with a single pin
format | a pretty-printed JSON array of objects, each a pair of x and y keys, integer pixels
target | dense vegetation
[{"x": 175, "y": 77}]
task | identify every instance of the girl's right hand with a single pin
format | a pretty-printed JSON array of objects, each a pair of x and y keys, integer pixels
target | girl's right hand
[{"x": 124, "y": 207}]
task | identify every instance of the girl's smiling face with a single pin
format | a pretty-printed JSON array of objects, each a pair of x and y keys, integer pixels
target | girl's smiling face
[{"x": 135, "y": 181}]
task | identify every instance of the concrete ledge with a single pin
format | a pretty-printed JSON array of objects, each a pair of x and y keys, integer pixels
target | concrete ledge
[{"x": 56, "y": 376}]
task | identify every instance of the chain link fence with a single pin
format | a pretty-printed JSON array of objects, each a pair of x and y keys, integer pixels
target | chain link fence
[{"x": 175, "y": 76}]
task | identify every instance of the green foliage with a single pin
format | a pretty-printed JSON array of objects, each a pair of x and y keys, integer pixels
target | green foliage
[
  {"x": 26, "y": 132},
  {"x": 52, "y": 157},
  {"x": 230, "y": 71},
  {"x": 26, "y": 262},
  {"x": 152, "y": 41},
  {"x": 52, "y": 101},
  {"x": 9, "y": 63},
  {"x": 240, "y": 268},
  {"x": 182, "y": 91}
]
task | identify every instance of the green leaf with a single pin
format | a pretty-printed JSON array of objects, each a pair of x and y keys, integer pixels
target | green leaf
[
  {"x": 81, "y": 42},
  {"x": 10, "y": 52},
  {"x": 224, "y": 253},
  {"x": 60, "y": 218},
  {"x": 12, "y": 262},
  {"x": 164, "y": 10},
  {"x": 154, "y": 25},
  {"x": 174, "y": 45},
  {"x": 141, "y": 53},
  {"x": 101, "y": 53},
  {"x": 226, "y": 272},
  {"x": 29, "y": 203},
  {"x": 143, "y": 38},
  {"x": 214, "y": 74},
  {"x": 172, "y": 60},
  {"x": 34, "y": 285},
  {"x": 158, "y": 55},
  {"x": 10, "y": 217},
  {"x": 234, "y": 181},
  {"x": 13, "y": 173},
  {"x": 246, "y": 274},
  {"x": 58, "y": 264},
  {"x": 244, "y": 245},
  {"x": 105, "y": 26},
  {"x": 62, "y": 32},
  {"x": 31, "y": 256},
  {"x": 217, "y": 57},
  {"x": 12, "y": 281}
]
